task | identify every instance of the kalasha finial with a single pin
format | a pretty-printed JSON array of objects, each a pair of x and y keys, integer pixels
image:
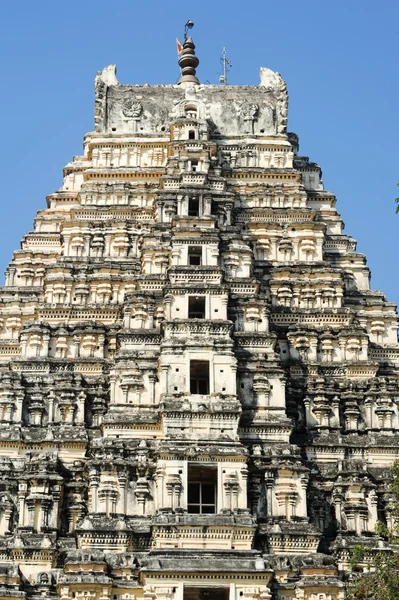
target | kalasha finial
[{"x": 188, "y": 62}]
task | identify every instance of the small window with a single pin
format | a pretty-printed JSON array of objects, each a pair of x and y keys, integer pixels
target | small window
[
  {"x": 194, "y": 256},
  {"x": 191, "y": 135},
  {"x": 201, "y": 489},
  {"x": 191, "y": 112},
  {"x": 193, "y": 207},
  {"x": 194, "y": 165},
  {"x": 196, "y": 307},
  {"x": 199, "y": 377}
]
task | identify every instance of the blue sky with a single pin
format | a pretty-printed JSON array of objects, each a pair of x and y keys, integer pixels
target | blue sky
[{"x": 339, "y": 59}]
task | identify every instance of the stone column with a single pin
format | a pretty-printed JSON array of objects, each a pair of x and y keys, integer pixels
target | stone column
[
  {"x": 141, "y": 492},
  {"x": 335, "y": 408},
  {"x": 372, "y": 502},
  {"x": 7, "y": 514},
  {"x": 121, "y": 503},
  {"x": 19, "y": 399},
  {"x": 150, "y": 320},
  {"x": 112, "y": 379},
  {"x": 302, "y": 508},
  {"x": 164, "y": 370},
  {"x": 80, "y": 413},
  {"x": 22, "y": 491},
  {"x": 93, "y": 485},
  {"x": 269, "y": 481},
  {"x": 338, "y": 500},
  {"x": 76, "y": 341},
  {"x": 159, "y": 479},
  {"x": 51, "y": 398},
  {"x": 152, "y": 380},
  {"x": 168, "y": 303}
]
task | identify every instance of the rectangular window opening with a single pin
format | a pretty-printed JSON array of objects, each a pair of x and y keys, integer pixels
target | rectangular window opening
[
  {"x": 194, "y": 256},
  {"x": 196, "y": 307},
  {"x": 193, "y": 207},
  {"x": 207, "y": 593},
  {"x": 199, "y": 377},
  {"x": 201, "y": 489},
  {"x": 194, "y": 165}
]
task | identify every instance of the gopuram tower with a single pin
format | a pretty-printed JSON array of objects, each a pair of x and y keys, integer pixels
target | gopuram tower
[{"x": 199, "y": 391}]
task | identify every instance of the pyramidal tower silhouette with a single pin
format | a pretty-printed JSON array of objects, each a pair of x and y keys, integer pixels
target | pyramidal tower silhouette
[{"x": 198, "y": 389}]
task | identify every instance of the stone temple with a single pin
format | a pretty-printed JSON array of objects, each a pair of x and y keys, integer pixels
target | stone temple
[{"x": 199, "y": 391}]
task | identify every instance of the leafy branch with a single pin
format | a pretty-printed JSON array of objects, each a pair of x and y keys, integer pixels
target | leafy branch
[
  {"x": 397, "y": 202},
  {"x": 375, "y": 571}
]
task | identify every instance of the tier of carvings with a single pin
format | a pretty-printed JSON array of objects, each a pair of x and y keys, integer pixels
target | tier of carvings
[{"x": 199, "y": 391}]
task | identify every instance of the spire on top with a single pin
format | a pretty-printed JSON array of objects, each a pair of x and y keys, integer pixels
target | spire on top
[{"x": 188, "y": 62}]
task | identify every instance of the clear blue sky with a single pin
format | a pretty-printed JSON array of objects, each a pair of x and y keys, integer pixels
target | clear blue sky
[{"x": 339, "y": 58}]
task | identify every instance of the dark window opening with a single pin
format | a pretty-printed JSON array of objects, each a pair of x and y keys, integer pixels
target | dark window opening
[
  {"x": 199, "y": 377},
  {"x": 193, "y": 207},
  {"x": 195, "y": 256},
  {"x": 194, "y": 165},
  {"x": 209, "y": 593},
  {"x": 191, "y": 134},
  {"x": 196, "y": 307},
  {"x": 202, "y": 489},
  {"x": 191, "y": 112}
]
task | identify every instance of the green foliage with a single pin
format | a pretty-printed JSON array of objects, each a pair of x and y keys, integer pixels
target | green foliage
[
  {"x": 397, "y": 202},
  {"x": 383, "y": 531},
  {"x": 395, "y": 474},
  {"x": 379, "y": 584},
  {"x": 375, "y": 573},
  {"x": 358, "y": 555}
]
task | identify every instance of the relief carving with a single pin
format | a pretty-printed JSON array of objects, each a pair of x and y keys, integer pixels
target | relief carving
[{"x": 132, "y": 109}]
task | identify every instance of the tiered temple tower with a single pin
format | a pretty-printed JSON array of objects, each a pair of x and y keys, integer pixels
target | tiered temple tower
[{"x": 199, "y": 391}]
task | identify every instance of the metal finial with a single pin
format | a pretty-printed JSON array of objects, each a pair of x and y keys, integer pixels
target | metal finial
[{"x": 188, "y": 61}]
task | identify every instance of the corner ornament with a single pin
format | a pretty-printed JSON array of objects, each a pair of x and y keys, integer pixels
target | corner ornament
[{"x": 275, "y": 83}]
